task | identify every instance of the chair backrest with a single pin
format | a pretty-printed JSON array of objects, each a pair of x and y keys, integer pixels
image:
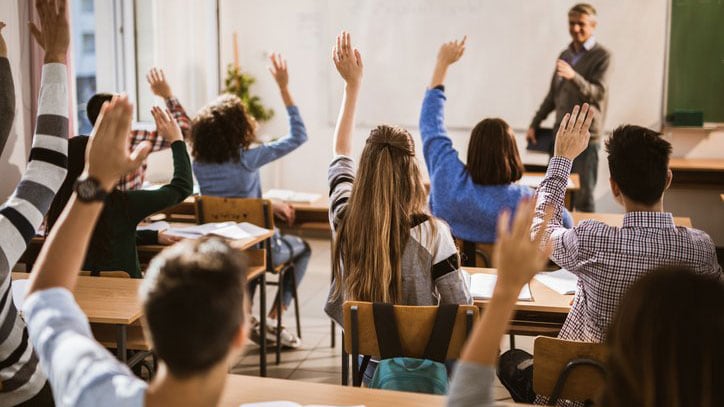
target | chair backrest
[
  {"x": 414, "y": 324},
  {"x": 115, "y": 274},
  {"x": 475, "y": 254},
  {"x": 215, "y": 209},
  {"x": 568, "y": 370}
]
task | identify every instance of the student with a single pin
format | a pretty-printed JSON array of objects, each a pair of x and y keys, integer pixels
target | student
[
  {"x": 226, "y": 165},
  {"x": 608, "y": 259},
  {"x": 114, "y": 241},
  {"x": 469, "y": 196},
  {"x": 22, "y": 382},
  {"x": 386, "y": 247},
  {"x": 160, "y": 87},
  {"x": 193, "y": 299},
  {"x": 661, "y": 352}
]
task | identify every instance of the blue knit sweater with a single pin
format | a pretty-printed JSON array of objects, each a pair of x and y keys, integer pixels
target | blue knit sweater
[{"x": 470, "y": 209}]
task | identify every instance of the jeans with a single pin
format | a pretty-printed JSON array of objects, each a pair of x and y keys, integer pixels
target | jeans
[
  {"x": 285, "y": 247},
  {"x": 586, "y": 166}
]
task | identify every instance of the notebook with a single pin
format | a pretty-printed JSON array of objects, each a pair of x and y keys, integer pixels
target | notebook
[
  {"x": 228, "y": 230},
  {"x": 561, "y": 281},
  {"x": 482, "y": 287}
]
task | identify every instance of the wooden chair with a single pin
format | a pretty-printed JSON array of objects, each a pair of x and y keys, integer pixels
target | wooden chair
[
  {"x": 114, "y": 274},
  {"x": 414, "y": 324},
  {"x": 258, "y": 212},
  {"x": 567, "y": 369},
  {"x": 475, "y": 254}
]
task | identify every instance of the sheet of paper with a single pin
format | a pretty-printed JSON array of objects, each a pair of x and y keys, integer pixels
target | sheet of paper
[
  {"x": 196, "y": 231},
  {"x": 482, "y": 287},
  {"x": 233, "y": 232},
  {"x": 20, "y": 287},
  {"x": 288, "y": 195},
  {"x": 157, "y": 226},
  {"x": 561, "y": 281},
  {"x": 252, "y": 229}
]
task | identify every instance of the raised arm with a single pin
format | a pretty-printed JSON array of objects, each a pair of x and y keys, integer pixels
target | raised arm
[
  {"x": 7, "y": 93},
  {"x": 23, "y": 212},
  {"x": 144, "y": 203},
  {"x": 518, "y": 260},
  {"x": 571, "y": 140},
  {"x": 279, "y": 71},
  {"x": 436, "y": 145},
  {"x": 348, "y": 62},
  {"x": 108, "y": 158}
]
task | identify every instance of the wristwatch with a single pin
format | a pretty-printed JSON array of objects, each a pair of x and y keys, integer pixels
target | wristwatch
[{"x": 89, "y": 189}]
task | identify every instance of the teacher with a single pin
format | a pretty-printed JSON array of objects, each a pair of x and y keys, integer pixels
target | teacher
[{"x": 580, "y": 77}]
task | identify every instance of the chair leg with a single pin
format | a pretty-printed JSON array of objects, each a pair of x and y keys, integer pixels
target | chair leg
[
  {"x": 296, "y": 303},
  {"x": 345, "y": 365},
  {"x": 262, "y": 324},
  {"x": 280, "y": 311},
  {"x": 512, "y": 341},
  {"x": 333, "y": 334}
]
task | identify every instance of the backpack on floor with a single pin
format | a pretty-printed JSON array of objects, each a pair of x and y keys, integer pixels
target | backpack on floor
[{"x": 395, "y": 372}]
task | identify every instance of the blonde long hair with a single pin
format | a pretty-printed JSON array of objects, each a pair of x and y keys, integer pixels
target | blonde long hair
[{"x": 387, "y": 194}]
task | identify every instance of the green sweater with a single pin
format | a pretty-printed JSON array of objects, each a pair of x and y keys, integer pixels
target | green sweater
[{"x": 113, "y": 245}]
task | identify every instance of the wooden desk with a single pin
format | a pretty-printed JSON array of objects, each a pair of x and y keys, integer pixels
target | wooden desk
[
  {"x": 697, "y": 172},
  {"x": 616, "y": 219},
  {"x": 249, "y": 389},
  {"x": 542, "y": 316},
  {"x": 108, "y": 301}
]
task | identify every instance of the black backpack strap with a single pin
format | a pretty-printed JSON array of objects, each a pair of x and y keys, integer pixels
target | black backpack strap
[
  {"x": 441, "y": 333},
  {"x": 388, "y": 338}
]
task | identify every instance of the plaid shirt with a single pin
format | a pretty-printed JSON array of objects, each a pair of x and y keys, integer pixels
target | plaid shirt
[
  {"x": 608, "y": 259},
  {"x": 134, "y": 180}
]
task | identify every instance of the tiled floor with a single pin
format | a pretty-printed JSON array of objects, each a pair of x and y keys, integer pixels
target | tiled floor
[{"x": 316, "y": 361}]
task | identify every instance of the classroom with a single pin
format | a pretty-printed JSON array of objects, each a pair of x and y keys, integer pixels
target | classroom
[{"x": 269, "y": 204}]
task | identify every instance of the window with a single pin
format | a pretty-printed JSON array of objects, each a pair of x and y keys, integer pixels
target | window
[
  {"x": 89, "y": 44},
  {"x": 87, "y": 6},
  {"x": 84, "y": 59}
]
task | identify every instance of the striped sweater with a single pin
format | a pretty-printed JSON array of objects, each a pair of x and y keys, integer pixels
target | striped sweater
[
  {"x": 430, "y": 270},
  {"x": 20, "y": 375}
]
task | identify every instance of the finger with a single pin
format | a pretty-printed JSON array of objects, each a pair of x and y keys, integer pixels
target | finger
[
  {"x": 358, "y": 57},
  {"x": 167, "y": 116},
  {"x": 574, "y": 116},
  {"x": 503, "y": 221},
  {"x": 564, "y": 122},
  {"x": 37, "y": 34},
  {"x": 62, "y": 5},
  {"x": 589, "y": 119},
  {"x": 162, "y": 75},
  {"x": 582, "y": 117},
  {"x": 2, "y": 25},
  {"x": 348, "y": 44},
  {"x": 284, "y": 64},
  {"x": 338, "y": 48},
  {"x": 465, "y": 38},
  {"x": 40, "y": 7},
  {"x": 522, "y": 220}
]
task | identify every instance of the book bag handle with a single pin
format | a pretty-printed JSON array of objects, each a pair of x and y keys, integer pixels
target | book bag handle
[{"x": 388, "y": 336}]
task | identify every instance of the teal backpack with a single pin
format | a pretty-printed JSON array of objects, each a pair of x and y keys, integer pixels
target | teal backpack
[{"x": 395, "y": 372}]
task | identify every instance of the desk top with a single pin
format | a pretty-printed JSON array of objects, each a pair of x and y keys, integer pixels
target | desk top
[
  {"x": 696, "y": 164},
  {"x": 249, "y": 389},
  {"x": 241, "y": 244},
  {"x": 616, "y": 219},
  {"x": 105, "y": 300},
  {"x": 544, "y": 299}
]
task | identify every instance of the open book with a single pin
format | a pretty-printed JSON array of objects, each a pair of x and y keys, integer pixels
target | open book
[
  {"x": 287, "y": 195},
  {"x": 285, "y": 404},
  {"x": 482, "y": 286},
  {"x": 228, "y": 230},
  {"x": 561, "y": 281}
]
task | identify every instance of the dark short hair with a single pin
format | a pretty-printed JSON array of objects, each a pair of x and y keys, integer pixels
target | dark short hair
[
  {"x": 638, "y": 159},
  {"x": 665, "y": 342},
  {"x": 194, "y": 303},
  {"x": 582, "y": 8},
  {"x": 493, "y": 157},
  {"x": 93, "y": 107},
  {"x": 220, "y": 129}
]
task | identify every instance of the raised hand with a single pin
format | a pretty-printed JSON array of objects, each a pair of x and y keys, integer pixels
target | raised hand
[
  {"x": 53, "y": 36},
  {"x": 157, "y": 81},
  {"x": 279, "y": 71},
  {"x": 3, "y": 45},
  {"x": 517, "y": 257},
  {"x": 347, "y": 60},
  {"x": 107, "y": 155},
  {"x": 451, "y": 51},
  {"x": 166, "y": 125},
  {"x": 564, "y": 70},
  {"x": 572, "y": 137}
]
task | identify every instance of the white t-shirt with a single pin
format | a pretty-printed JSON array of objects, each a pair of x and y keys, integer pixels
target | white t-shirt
[{"x": 81, "y": 371}]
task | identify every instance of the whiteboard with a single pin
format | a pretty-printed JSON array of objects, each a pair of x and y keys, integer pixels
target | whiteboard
[{"x": 505, "y": 72}]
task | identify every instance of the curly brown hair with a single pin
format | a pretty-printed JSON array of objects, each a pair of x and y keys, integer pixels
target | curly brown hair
[{"x": 220, "y": 129}]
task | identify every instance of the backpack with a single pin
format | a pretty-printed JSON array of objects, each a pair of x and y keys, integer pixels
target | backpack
[{"x": 395, "y": 372}]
